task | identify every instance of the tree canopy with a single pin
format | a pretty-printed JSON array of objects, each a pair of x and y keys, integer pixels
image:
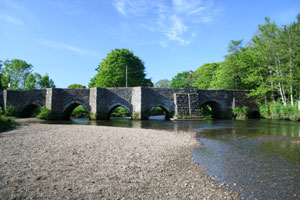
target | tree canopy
[
  {"x": 112, "y": 71},
  {"x": 74, "y": 85},
  {"x": 164, "y": 83},
  {"x": 17, "y": 75},
  {"x": 181, "y": 80},
  {"x": 269, "y": 66}
]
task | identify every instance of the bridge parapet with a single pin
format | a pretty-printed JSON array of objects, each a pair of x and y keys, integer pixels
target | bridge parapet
[{"x": 139, "y": 101}]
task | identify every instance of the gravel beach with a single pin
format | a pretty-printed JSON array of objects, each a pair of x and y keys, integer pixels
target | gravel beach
[{"x": 42, "y": 161}]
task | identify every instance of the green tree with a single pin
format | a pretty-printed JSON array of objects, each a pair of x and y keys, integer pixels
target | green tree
[
  {"x": 181, "y": 80},
  {"x": 15, "y": 72},
  {"x": 204, "y": 75},
  {"x": 1, "y": 87},
  {"x": 164, "y": 83},
  {"x": 46, "y": 82},
  {"x": 112, "y": 71},
  {"x": 76, "y": 86}
]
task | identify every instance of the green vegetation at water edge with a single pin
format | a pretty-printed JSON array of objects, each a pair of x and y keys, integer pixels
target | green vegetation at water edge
[
  {"x": 44, "y": 113},
  {"x": 120, "y": 112},
  {"x": 5, "y": 122},
  {"x": 278, "y": 111},
  {"x": 80, "y": 112}
]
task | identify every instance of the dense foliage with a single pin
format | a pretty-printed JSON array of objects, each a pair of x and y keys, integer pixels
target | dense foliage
[
  {"x": 17, "y": 75},
  {"x": 164, "y": 83},
  {"x": 112, "y": 71},
  {"x": 44, "y": 113},
  {"x": 76, "y": 86},
  {"x": 181, "y": 80},
  {"x": 269, "y": 65},
  {"x": 80, "y": 112}
]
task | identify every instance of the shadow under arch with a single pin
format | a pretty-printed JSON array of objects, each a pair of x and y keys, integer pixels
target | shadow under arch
[
  {"x": 28, "y": 109},
  {"x": 254, "y": 115},
  {"x": 216, "y": 109},
  {"x": 71, "y": 106},
  {"x": 167, "y": 112},
  {"x": 116, "y": 105}
]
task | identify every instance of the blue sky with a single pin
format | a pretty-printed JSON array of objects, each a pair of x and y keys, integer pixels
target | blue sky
[{"x": 69, "y": 38}]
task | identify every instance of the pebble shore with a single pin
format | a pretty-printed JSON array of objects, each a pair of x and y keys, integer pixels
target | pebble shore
[{"x": 41, "y": 161}]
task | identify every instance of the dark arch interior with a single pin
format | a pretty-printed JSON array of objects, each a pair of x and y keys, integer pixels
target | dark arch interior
[
  {"x": 211, "y": 109},
  {"x": 29, "y": 111},
  {"x": 75, "y": 110},
  {"x": 119, "y": 112},
  {"x": 255, "y": 115},
  {"x": 159, "y": 111}
]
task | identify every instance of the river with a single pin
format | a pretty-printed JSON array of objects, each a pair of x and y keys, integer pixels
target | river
[{"x": 260, "y": 159}]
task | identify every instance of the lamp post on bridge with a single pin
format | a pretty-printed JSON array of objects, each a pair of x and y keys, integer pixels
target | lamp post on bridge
[{"x": 126, "y": 75}]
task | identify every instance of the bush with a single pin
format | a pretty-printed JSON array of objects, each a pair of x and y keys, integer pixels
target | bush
[
  {"x": 241, "y": 113},
  {"x": 157, "y": 111},
  {"x": 120, "y": 112},
  {"x": 6, "y": 123},
  {"x": 80, "y": 112},
  {"x": 265, "y": 111},
  {"x": 45, "y": 113},
  {"x": 11, "y": 111},
  {"x": 278, "y": 111}
]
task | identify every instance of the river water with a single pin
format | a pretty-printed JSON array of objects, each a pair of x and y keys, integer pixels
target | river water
[{"x": 260, "y": 159}]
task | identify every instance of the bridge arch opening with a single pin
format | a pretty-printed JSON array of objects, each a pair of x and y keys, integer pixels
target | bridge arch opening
[
  {"x": 30, "y": 110},
  {"x": 75, "y": 110},
  {"x": 211, "y": 110},
  {"x": 255, "y": 115},
  {"x": 159, "y": 113},
  {"x": 119, "y": 111}
]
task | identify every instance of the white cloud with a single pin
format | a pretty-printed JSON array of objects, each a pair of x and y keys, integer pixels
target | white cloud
[
  {"x": 172, "y": 19},
  {"x": 71, "y": 48},
  {"x": 132, "y": 7},
  {"x": 9, "y": 19},
  {"x": 176, "y": 29},
  {"x": 18, "y": 8}
]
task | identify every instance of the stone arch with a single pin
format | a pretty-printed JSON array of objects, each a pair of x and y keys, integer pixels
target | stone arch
[
  {"x": 114, "y": 106},
  {"x": 28, "y": 109},
  {"x": 217, "y": 110},
  {"x": 68, "y": 108},
  {"x": 168, "y": 112}
]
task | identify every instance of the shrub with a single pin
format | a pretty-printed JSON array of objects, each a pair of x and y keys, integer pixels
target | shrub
[
  {"x": 241, "y": 113},
  {"x": 45, "y": 113},
  {"x": 265, "y": 111},
  {"x": 11, "y": 111},
  {"x": 80, "y": 112},
  {"x": 36, "y": 112},
  {"x": 120, "y": 112},
  {"x": 278, "y": 111},
  {"x": 6, "y": 123},
  {"x": 157, "y": 111}
]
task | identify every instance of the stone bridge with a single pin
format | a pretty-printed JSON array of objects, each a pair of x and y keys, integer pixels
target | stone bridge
[{"x": 139, "y": 101}]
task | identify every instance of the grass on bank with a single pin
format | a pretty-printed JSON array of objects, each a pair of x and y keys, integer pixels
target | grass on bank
[{"x": 5, "y": 122}]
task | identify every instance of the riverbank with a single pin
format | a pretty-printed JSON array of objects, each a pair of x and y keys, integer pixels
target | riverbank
[{"x": 42, "y": 161}]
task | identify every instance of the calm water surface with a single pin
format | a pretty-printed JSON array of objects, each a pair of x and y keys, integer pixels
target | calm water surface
[{"x": 258, "y": 158}]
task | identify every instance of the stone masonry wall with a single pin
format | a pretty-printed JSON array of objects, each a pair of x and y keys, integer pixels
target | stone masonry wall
[
  {"x": 20, "y": 99},
  {"x": 186, "y": 104},
  {"x": 138, "y": 100}
]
